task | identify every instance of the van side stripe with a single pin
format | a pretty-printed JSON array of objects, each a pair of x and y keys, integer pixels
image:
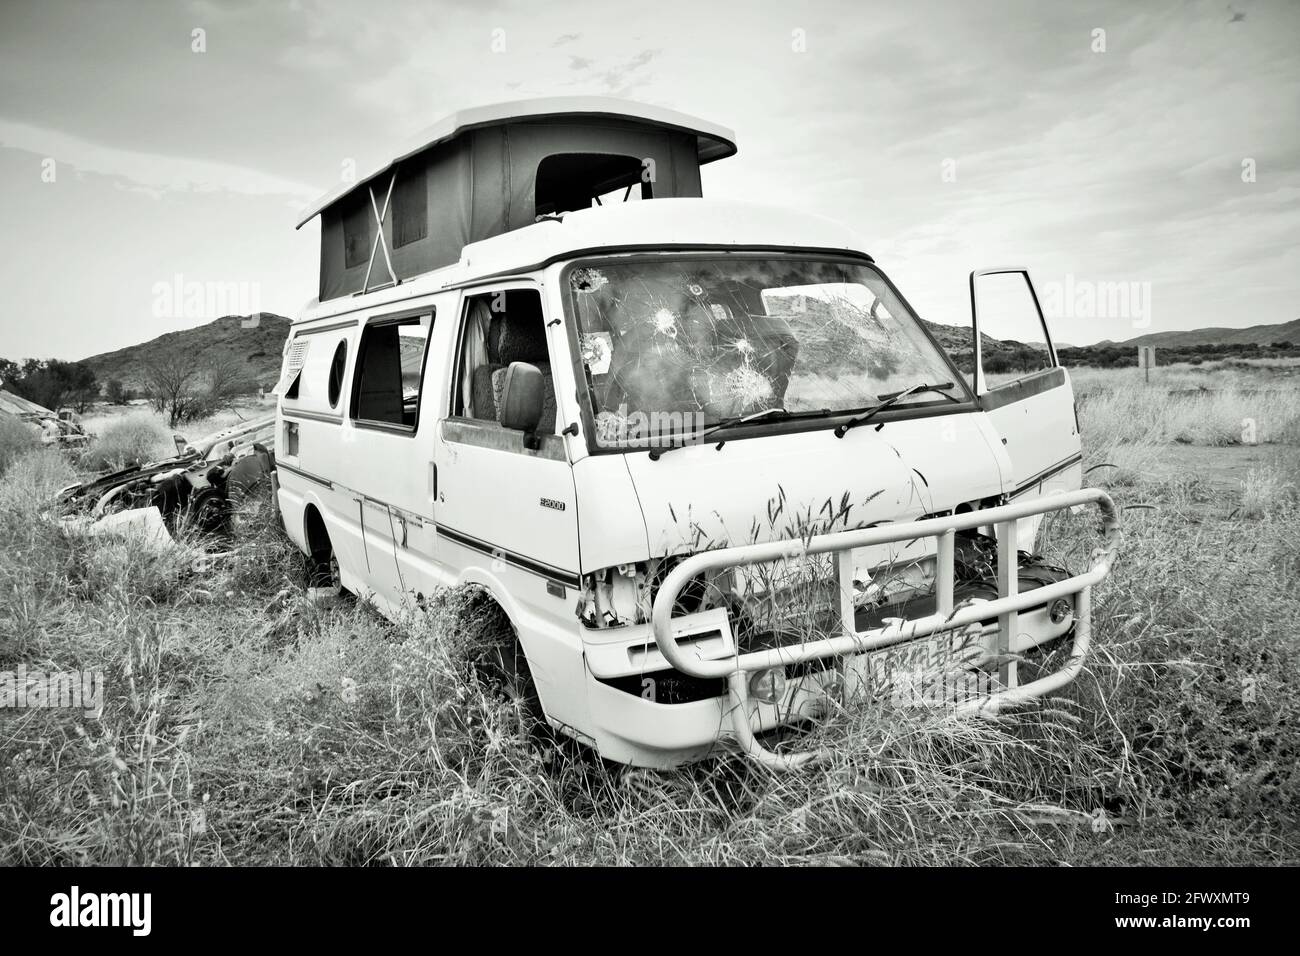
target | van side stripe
[
  {"x": 540, "y": 568},
  {"x": 1047, "y": 473},
  {"x": 296, "y": 414},
  {"x": 518, "y": 560},
  {"x": 280, "y": 465}
]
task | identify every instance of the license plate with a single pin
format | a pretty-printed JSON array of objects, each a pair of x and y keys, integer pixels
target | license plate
[{"x": 941, "y": 669}]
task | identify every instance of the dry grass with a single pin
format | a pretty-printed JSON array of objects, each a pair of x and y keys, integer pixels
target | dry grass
[
  {"x": 1268, "y": 491},
  {"x": 104, "y": 417},
  {"x": 127, "y": 435},
  {"x": 1123, "y": 411},
  {"x": 246, "y": 724},
  {"x": 17, "y": 438},
  {"x": 130, "y": 440}
]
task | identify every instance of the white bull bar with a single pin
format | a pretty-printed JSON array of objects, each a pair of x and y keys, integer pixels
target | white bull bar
[{"x": 1006, "y": 607}]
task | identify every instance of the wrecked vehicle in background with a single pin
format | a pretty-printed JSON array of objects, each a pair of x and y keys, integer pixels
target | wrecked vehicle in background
[
  {"x": 61, "y": 429},
  {"x": 193, "y": 491}
]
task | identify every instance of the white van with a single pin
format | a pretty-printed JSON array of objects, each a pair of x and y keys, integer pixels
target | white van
[{"x": 703, "y": 454}]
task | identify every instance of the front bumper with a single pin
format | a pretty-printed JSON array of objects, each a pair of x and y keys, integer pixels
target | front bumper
[
  {"x": 639, "y": 730},
  {"x": 637, "y": 723}
]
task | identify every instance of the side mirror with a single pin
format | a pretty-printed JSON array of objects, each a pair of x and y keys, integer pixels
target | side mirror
[{"x": 522, "y": 395}]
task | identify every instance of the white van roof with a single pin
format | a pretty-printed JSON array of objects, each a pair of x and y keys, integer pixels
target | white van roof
[
  {"x": 660, "y": 223},
  {"x": 647, "y": 225}
]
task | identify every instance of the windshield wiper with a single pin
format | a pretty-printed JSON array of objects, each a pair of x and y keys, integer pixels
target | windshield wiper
[
  {"x": 726, "y": 423},
  {"x": 842, "y": 429}
]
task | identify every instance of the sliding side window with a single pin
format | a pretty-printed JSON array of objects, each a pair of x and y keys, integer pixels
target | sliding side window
[{"x": 389, "y": 372}]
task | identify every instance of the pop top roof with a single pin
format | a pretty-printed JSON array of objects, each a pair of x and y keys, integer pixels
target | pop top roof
[{"x": 713, "y": 141}]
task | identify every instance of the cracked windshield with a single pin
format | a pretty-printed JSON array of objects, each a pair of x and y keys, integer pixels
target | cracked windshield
[{"x": 674, "y": 345}]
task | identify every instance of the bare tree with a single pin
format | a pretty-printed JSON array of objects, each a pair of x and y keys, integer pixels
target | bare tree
[
  {"x": 169, "y": 382},
  {"x": 185, "y": 387},
  {"x": 225, "y": 379}
]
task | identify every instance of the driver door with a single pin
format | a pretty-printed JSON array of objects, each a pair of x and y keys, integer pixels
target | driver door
[{"x": 1024, "y": 390}]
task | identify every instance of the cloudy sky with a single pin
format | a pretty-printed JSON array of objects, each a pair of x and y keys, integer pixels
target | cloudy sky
[{"x": 1156, "y": 144}]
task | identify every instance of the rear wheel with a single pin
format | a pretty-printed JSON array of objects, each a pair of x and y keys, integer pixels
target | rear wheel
[
  {"x": 322, "y": 566},
  {"x": 323, "y": 571}
]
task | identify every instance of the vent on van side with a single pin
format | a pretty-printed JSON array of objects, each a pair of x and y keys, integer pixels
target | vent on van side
[{"x": 288, "y": 384}]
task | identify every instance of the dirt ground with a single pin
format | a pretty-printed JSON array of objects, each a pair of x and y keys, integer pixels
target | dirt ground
[
  {"x": 96, "y": 419},
  {"x": 1222, "y": 468}
]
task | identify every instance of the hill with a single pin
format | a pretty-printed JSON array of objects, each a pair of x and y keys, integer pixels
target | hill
[
  {"x": 957, "y": 338},
  {"x": 257, "y": 349},
  {"x": 1252, "y": 335}
]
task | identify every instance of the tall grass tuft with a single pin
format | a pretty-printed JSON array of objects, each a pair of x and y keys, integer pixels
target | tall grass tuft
[
  {"x": 17, "y": 438},
  {"x": 128, "y": 441},
  {"x": 1267, "y": 490}
]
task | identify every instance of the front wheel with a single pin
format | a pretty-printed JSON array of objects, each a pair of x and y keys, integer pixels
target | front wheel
[
  {"x": 504, "y": 668},
  {"x": 494, "y": 656}
]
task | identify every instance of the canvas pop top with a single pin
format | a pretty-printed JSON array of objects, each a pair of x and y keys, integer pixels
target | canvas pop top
[
  {"x": 714, "y": 469},
  {"x": 485, "y": 171}
]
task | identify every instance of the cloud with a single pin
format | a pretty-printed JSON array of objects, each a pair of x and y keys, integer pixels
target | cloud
[
  {"x": 1122, "y": 165},
  {"x": 149, "y": 172},
  {"x": 621, "y": 77}
]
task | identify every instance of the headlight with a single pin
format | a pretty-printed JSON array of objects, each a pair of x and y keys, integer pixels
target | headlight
[
  {"x": 768, "y": 686},
  {"x": 1060, "y": 610},
  {"x": 624, "y": 594}
]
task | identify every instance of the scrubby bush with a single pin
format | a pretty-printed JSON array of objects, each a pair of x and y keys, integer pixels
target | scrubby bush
[{"x": 125, "y": 442}]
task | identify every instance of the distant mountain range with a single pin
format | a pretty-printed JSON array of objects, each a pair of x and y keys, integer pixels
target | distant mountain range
[
  {"x": 259, "y": 348},
  {"x": 256, "y": 348},
  {"x": 1252, "y": 335}
]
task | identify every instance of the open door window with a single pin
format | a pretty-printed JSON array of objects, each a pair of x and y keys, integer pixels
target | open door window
[
  {"x": 1023, "y": 388},
  {"x": 1012, "y": 341}
]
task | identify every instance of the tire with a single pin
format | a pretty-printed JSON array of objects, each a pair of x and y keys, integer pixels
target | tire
[
  {"x": 322, "y": 568},
  {"x": 508, "y": 673},
  {"x": 323, "y": 571},
  {"x": 500, "y": 664}
]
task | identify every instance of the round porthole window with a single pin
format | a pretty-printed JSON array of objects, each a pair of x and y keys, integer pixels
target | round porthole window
[{"x": 337, "y": 366}]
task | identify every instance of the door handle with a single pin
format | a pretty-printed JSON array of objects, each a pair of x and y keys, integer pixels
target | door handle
[{"x": 433, "y": 481}]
